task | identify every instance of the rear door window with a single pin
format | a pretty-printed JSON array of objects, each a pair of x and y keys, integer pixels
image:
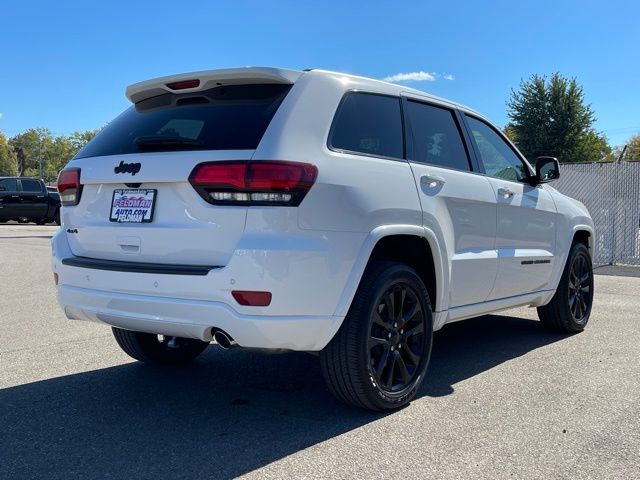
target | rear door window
[
  {"x": 8, "y": 185},
  {"x": 231, "y": 117},
  {"x": 31, "y": 186},
  {"x": 434, "y": 137},
  {"x": 370, "y": 124}
]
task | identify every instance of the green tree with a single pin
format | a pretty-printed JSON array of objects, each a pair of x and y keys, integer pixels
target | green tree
[
  {"x": 38, "y": 153},
  {"x": 632, "y": 153},
  {"x": 510, "y": 132},
  {"x": 7, "y": 157},
  {"x": 28, "y": 147},
  {"x": 80, "y": 139},
  {"x": 550, "y": 117}
]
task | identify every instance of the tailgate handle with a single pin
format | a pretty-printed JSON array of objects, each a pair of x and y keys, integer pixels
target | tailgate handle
[{"x": 129, "y": 244}]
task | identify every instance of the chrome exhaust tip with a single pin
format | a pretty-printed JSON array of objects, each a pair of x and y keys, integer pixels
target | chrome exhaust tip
[{"x": 224, "y": 340}]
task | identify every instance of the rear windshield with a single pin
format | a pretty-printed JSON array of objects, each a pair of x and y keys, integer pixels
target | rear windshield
[{"x": 232, "y": 117}]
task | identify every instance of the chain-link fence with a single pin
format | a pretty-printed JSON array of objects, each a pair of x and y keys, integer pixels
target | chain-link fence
[{"x": 611, "y": 192}]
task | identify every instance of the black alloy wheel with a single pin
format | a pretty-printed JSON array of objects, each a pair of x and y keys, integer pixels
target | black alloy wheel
[
  {"x": 569, "y": 309},
  {"x": 580, "y": 289},
  {"x": 396, "y": 338},
  {"x": 379, "y": 357}
]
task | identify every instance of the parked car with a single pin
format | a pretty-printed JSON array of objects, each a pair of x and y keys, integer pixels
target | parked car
[
  {"x": 311, "y": 211},
  {"x": 28, "y": 200}
]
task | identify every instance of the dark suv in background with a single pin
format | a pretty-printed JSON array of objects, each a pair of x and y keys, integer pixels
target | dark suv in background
[{"x": 28, "y": 200}]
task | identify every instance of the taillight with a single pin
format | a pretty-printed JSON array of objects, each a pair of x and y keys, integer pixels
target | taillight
[
  {"x": 253, "y": 182},
  {"x": 69, "y": 186}
]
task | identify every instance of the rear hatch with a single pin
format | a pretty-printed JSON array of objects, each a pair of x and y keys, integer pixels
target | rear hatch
[{"x": 136, "y": 203}]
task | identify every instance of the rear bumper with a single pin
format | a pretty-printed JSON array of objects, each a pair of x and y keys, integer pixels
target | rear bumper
[
  {"x": 305, "y": 273},
  {"x": 195, "y": 319}
]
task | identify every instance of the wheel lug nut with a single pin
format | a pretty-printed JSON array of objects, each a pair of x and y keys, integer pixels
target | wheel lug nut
[
  {"x": 401, "y": 331},
  {"x": 389, "y": 335},
  {"x": 392, "y": 348},
  {"x": 399, "y": 346},
  {"x": 395, "y": 325}
]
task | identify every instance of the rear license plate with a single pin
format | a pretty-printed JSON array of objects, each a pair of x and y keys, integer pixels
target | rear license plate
[{"x": 133, "y": 205}]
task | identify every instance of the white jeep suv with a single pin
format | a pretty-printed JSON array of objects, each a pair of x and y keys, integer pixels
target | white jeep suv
[{"x": 311, "y": 211}]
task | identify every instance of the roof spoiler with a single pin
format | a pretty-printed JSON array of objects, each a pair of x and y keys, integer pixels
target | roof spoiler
[{"x": 197, "y": 81}]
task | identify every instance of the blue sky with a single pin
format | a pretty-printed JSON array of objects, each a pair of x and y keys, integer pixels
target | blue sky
[{"x": 65, "y": 65}]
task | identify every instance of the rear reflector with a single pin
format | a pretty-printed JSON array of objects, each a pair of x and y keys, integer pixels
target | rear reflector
[
  {"x": 252, "y": 299},
  {"x": 69, "y": 186},
  {"x": 184, "y": 84},
  {"x": 253, "y": 182}
]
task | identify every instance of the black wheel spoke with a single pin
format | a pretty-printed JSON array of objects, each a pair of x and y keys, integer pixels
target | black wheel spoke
[
  {"x": 390, "y": 302},
  {"x": 411, "y": 313},
  {"x": 382, "y": 362},
  {"x": 573, "y": 303},
  {"x": 417, "y": 330},
  {"x": 409, "y": 353},
  {"x": 376, "y": 342},
  {"x": 377, "y": 320},
  {"x": 389, "y": 378},
  {"x": 402, "y": 369},
  {"x": 398, "y": 315},
  {"x": 583, "y": 307}
]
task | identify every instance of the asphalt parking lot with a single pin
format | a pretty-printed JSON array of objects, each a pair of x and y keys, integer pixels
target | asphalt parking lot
[{"x": 503, "y": 399}]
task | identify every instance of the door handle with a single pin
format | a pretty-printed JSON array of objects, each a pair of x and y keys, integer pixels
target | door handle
[
  {"x": 505, "y": 192},
  {"x": 432, "y": 180}
]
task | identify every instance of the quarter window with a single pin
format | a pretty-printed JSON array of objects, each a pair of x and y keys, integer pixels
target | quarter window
[
  {"x": 434, "y": 137},
  {"x": 370, "y": 124},
  {"x": 31, "y": 186},
  {"x": 498, "y": 159}
]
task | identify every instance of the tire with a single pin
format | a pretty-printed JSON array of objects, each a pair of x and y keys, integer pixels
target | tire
[
  {"x": 364, "y": 364},
  {"x": 158, "y": 349},
  {"x": 56, "y": 217},
  {"x": 40, "y": 222},
  {"x": 570, "y": 308},
  {"x": 23, "y": 220}
]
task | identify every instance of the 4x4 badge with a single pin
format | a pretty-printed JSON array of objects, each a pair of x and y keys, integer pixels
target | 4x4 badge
[{"x": 131, "y": 168}]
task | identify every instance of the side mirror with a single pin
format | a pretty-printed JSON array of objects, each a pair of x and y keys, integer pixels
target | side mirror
[{"x": 547, "y": 169}]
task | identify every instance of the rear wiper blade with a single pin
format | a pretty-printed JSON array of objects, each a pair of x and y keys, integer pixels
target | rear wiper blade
[{"x": 164, "y": 141}]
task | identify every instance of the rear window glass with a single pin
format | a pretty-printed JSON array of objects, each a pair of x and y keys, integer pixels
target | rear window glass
[
  {"x": 232, "y": 117},
  {"x": 31, "y": 186},
  {"x": 370, "y": 124}
]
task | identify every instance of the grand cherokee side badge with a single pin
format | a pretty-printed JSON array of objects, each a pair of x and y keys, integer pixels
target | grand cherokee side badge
[{"x": 131, "y": 168}]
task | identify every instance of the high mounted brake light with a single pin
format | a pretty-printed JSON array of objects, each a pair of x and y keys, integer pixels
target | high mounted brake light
[
  {"x": 184, "y": 84},
  {"x": 69, "y": 186},
  {"x": 253, "y": 182}
]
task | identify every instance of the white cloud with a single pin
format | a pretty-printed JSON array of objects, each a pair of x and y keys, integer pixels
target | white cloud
[
  {"x": 448, "y": 76},
  {"x": 1, "y": 114},
  {"x": 411, "y": 77}
]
